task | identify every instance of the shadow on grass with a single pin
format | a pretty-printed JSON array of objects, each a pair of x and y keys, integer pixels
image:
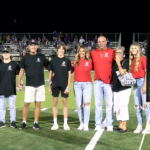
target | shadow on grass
[{"x": 73, "y": 137}]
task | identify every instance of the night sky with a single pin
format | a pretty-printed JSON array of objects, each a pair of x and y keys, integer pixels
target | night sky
[{"x": 76, "y": 16}]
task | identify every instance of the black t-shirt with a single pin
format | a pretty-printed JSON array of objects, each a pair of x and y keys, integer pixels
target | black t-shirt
[
  {"x": 60, "y": 68},
  {"x": 116, "y": 83},
  {"x": 34, "y": 69},
  {"x": 8, "y": 72}
]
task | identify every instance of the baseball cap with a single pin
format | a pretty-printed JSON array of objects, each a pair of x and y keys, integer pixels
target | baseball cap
[
  {"x": 33, "y": 42},
  {"x": 5, "y": 50}
]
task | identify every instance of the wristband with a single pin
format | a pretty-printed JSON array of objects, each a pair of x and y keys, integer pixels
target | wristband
[
  {"x": 119, "y": 66},
  {"x": 67, "y": 88},
  {"x": 21, "y": 84},
  {"x": 50, "y": 82}
]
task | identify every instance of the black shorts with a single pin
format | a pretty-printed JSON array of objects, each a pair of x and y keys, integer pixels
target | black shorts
[{"x": 56, "y": 89}]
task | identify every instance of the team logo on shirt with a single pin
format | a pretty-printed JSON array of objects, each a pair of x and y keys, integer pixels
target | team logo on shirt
[
  {"x": 9, "y": 67},
  {"x": 63, "y": 64},
  {"x": 38, "y": 60},
  {"x": 87, "y": 64},
  {"x": 106, "y": 55}
]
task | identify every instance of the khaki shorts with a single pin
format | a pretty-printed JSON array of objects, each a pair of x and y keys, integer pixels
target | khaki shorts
[{"x": 34, "y": 94}]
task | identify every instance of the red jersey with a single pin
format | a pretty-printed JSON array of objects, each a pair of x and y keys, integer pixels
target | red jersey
[
  {"x": 82, "y": 73},
  {"x": 102, "y": 62},
  {"x": 141, "y": 69}
]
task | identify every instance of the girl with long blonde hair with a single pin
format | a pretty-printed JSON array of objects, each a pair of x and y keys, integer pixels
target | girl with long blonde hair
[
  {"x": 83, "y": 85},
  {"x": 137, "y": 66}
]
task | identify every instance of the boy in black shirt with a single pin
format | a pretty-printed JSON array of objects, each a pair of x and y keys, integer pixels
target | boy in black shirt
[
  {"x": 33, "y": 64},
  {"x": 60, "y": 81},
  {"x": 8, "y": 72}
]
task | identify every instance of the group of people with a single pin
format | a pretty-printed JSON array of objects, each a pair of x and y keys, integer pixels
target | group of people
[{"x": 103, "y": 60}]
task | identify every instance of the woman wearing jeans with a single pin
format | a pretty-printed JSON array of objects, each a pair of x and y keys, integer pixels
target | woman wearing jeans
[
  {"x": 137, "y": 66},
  {"x": 83, "y": 86}
]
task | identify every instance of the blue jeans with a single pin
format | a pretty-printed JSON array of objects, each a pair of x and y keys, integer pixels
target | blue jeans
[
  {"x": 12, "y": 108},
  {"x": 140, "y": 101},
  {"x": 83, "y": 94},
  {"x": 101, "y": 89}
]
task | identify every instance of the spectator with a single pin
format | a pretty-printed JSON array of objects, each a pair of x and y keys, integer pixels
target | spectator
[
  {"x": 75, "y": 44},
  {"x": 89, "y": 44},
  {"x": 81, "y": 40},
  {"x": 58, "y": 40},
  {"x": 137, "y": 66},
  {"x": 47, "y": 43},
  {"x": 54, "y": 34},
  {"x": 39, "y": 41},
  {"x": 121, "y": 93},
  {"x": 76, "y": 38},
  {"x": 95, "y": 39},
  {"x": 66, "y": 39},
  {"x": 15, "y": 40},
  {"x": 24, "y": 39},
  {"x": 8, "y": 39},
  {"x": 108, "y": 42},
  {"x": 61, "y": 36},
  {"x": 12, "y": 39}
]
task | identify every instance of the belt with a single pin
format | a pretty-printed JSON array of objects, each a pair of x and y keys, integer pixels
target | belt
[{"x": 98, "y": 79}]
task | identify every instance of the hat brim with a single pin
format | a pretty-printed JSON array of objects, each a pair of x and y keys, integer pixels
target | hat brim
[
  {"x": 5, "y": 51},
  {"x": 33, "y": 43}
]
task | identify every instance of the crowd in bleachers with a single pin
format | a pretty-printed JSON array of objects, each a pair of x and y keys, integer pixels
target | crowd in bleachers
[{"x": 21, "y": 45}]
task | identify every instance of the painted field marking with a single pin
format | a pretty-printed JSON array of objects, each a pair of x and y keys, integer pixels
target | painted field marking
[
  {"x": 43, "y": 109},
  {"x": 94, "y": 140}
]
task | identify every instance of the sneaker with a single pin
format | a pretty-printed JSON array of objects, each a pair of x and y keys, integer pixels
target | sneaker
[
  {"x": 138, "y": 129},
  {"x": 81, "y": 126},
  {"x": 97, "y": 128},
  {"x": 109, "y": 129},
  {"x": 75, "y": 110},
  {"x": 86, "y": 127},
  {"x": 55, "y": 127},
  {"x": 23, "y": 126},
  {"x": 147, "y": 130},
  {"x": 36, "y": 126},
  {"x": 66, "y": 127},
  {"x": 13, "y": 124},
  {"x": 2, "y": 125}
]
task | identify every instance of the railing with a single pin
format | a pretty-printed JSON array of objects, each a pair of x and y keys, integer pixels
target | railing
[{"x": 139, "y": 37}]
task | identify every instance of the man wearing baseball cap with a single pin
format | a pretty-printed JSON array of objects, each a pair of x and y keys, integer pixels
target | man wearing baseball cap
[
  {"x": 8, "y": 72},
  {"x": 33, "y": 65}
]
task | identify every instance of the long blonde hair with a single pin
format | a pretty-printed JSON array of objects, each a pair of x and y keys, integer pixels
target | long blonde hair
[
  {"x": 87, "y": 54},
  {"x": 138, "y": 56}
]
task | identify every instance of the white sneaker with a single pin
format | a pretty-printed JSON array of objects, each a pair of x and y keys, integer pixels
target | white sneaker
[
  {"x": 66, "y": 127},
  {"x": 75, "y": 110},
  {"x": 138, "y": 129},
  {"x": 81, "y": 126},
  {"x": 97, "y": 128},
  {"x": 109, "y": 128},
  {"x": 55, "y": 127},
  {"x": 86, "y": 127},
  {"x": 147, "y": 130}
]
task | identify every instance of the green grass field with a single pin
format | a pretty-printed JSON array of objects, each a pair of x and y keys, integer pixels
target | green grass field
[{"x": 45, "y": 139}]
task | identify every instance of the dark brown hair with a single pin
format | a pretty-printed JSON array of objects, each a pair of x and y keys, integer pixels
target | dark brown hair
[{"x": 63, "y": 45}]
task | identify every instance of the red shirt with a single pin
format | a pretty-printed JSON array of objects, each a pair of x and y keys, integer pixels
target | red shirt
[
  {"x": 102, "y": 62},
  {"x": 82, "y": 73},
  {"x": 141, "y": 69}
]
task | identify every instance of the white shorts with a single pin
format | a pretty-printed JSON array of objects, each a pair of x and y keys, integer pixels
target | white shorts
[{"x": 34, "y": 94}]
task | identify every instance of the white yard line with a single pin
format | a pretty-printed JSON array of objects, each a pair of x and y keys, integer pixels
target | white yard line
[
  {"x": 94, "y": 140},
  {"x": 43, "y": 109}
]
